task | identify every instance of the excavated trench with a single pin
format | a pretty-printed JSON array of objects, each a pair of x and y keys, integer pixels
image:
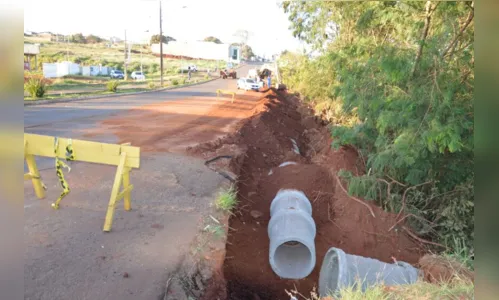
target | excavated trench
[{"x": 283, "y": 130}]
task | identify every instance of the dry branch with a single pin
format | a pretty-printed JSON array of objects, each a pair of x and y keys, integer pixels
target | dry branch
[
  {"x": 405, "y": 194},
  {"x": 353, "y": 198},
  {"x": 409, "y": 215},
  {"x": 412, "y": 235},
  {"x": 429, "y": 11},
  {"x": 454, "y": 41}
]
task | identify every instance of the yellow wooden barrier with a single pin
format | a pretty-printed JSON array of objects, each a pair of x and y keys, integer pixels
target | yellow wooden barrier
[
  {"x": 125, "y": 157},
  {"x": 219, "y": 91}
]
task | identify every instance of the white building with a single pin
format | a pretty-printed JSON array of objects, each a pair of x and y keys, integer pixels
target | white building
[{"x": 200, "y": 50}]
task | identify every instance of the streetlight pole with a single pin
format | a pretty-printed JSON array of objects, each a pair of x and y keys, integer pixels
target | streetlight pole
[
  {"x": 125, "y": 77},
  {"x": 161, "y": 42},
  {"x": 141, "y": 46}
]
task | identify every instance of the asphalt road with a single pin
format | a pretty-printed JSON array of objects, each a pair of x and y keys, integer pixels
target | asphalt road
[
  {"x": 71, "y": 119},
  {"x": 39, "y": 115},
  {"x": 67, "y": 256}
]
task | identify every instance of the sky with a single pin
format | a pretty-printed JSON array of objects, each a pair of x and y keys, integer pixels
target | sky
[{"x": 182, "y": 19}]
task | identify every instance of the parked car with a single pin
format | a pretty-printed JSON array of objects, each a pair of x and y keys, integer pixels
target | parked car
[
  {"x": 247, "y": 84},
  {"x": 138, "y": 75},
  {"x": 117, "y": 74}
]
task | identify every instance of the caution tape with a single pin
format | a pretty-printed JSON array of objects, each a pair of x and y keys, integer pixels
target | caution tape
[{"x": 59, "y": 165}]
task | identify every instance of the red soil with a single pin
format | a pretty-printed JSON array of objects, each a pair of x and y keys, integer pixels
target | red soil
[
  {"x": 173, "y": 126},
  {"x": 264, "y": 142}
]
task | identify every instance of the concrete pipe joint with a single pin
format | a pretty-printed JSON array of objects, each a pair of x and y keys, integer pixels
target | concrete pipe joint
[
  {"x": 340, "y": 270},
  {"x": 292, "y": 233}
]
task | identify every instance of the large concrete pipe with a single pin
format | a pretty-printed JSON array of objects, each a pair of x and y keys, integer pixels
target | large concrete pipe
[
  {"x": 340, "y": 270},
  {"x": 292, "y": 232}
]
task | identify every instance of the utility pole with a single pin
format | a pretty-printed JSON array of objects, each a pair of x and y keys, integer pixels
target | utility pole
[
  {"x": 125, "y": 77},
  {"x": 161, "y": 43},
  {"x": 67, "y": 49}
]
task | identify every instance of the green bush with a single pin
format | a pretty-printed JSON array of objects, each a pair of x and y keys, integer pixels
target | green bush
[
  {"x": 36, "y": 87},
  {"x": 154, "y": 67},
  {"x": 151, "y": 85},
  {"x": 403, "y": 96},
  {"x": 174, "y": 82},
  {"x": 112, "y": 85},
  {"x": 183, "y": 80}
]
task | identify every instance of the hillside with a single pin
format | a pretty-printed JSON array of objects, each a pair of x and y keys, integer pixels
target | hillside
[{"x": 111, "y": 55}]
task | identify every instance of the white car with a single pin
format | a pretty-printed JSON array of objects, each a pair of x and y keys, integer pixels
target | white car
[
  {"x": 138, "y": 75},
  {"x": 117, "y": 74},
  {"x": 247, "y": 84}
]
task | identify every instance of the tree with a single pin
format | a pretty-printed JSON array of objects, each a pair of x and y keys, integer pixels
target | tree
[
  {"x": 78, "y": 38},
  {"x": 246, "y": 51},
  {"x": 155, "y": 39},
  {"x": 396, "y": 79},
  {"x": 213, "y": 39},
  {"x": 92, "y": 39}
]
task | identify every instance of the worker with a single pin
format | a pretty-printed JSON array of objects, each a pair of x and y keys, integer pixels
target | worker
[
  {"x": 189, "y": 73},
  {"x": 268, "y": 81}
]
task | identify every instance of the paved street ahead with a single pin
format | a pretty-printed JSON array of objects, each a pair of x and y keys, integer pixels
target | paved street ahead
[{"x": 67, "y": 256}]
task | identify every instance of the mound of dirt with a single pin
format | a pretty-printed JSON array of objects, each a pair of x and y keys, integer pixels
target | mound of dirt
[
  {"x": 437, "y": 269},
  {"x": 283, "y": 130}
]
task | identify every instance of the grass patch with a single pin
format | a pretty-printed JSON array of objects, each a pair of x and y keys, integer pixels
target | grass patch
[
  {"x": 64, "y": 88},
  {"x": 85, "y": 94},
  {"x": 458, "y": 289},
  {"x": 217, "y": 230},
  {"x": 461, "y": 253},
  {"x": 421, "y": 290},
  {"x": 227, "y": 199},
  {"x": 112, "y": 86}
]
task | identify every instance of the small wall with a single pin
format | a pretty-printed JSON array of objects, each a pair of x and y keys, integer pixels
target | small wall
[
  {"x": 49, "y": 70},
  {"x": 85, "y": 71},
  {"x": 105, "y": 70},
  {"x": 53, "y": 70}
]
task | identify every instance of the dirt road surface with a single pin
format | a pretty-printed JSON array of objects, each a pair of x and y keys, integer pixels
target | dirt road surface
[{"x": 67, "y": 255}]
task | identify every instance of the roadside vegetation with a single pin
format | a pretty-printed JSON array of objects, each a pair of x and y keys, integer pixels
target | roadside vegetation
[
  {"x": 36, "y": 86},
  {"x": 458, "y": 288},
  {"x": 92, "y": 50},
  {"x": 112, "y": 85},
  {"x": 396, "y": 81},
  {"x": 77, "y": 85},
  {"x": 227, "y": 199}
]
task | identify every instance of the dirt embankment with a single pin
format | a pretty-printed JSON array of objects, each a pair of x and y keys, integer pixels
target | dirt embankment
[{"x": 283, "y": 130}]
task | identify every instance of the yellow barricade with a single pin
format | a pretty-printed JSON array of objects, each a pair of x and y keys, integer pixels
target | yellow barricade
[
  {"x": 125, "y": 157},
  {"x": 226, "y": 92}
]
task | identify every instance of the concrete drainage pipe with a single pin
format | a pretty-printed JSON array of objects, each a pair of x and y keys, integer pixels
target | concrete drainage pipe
[
  {"x": 340, "y": 270},
  {"x": 292, "y": 233}
]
